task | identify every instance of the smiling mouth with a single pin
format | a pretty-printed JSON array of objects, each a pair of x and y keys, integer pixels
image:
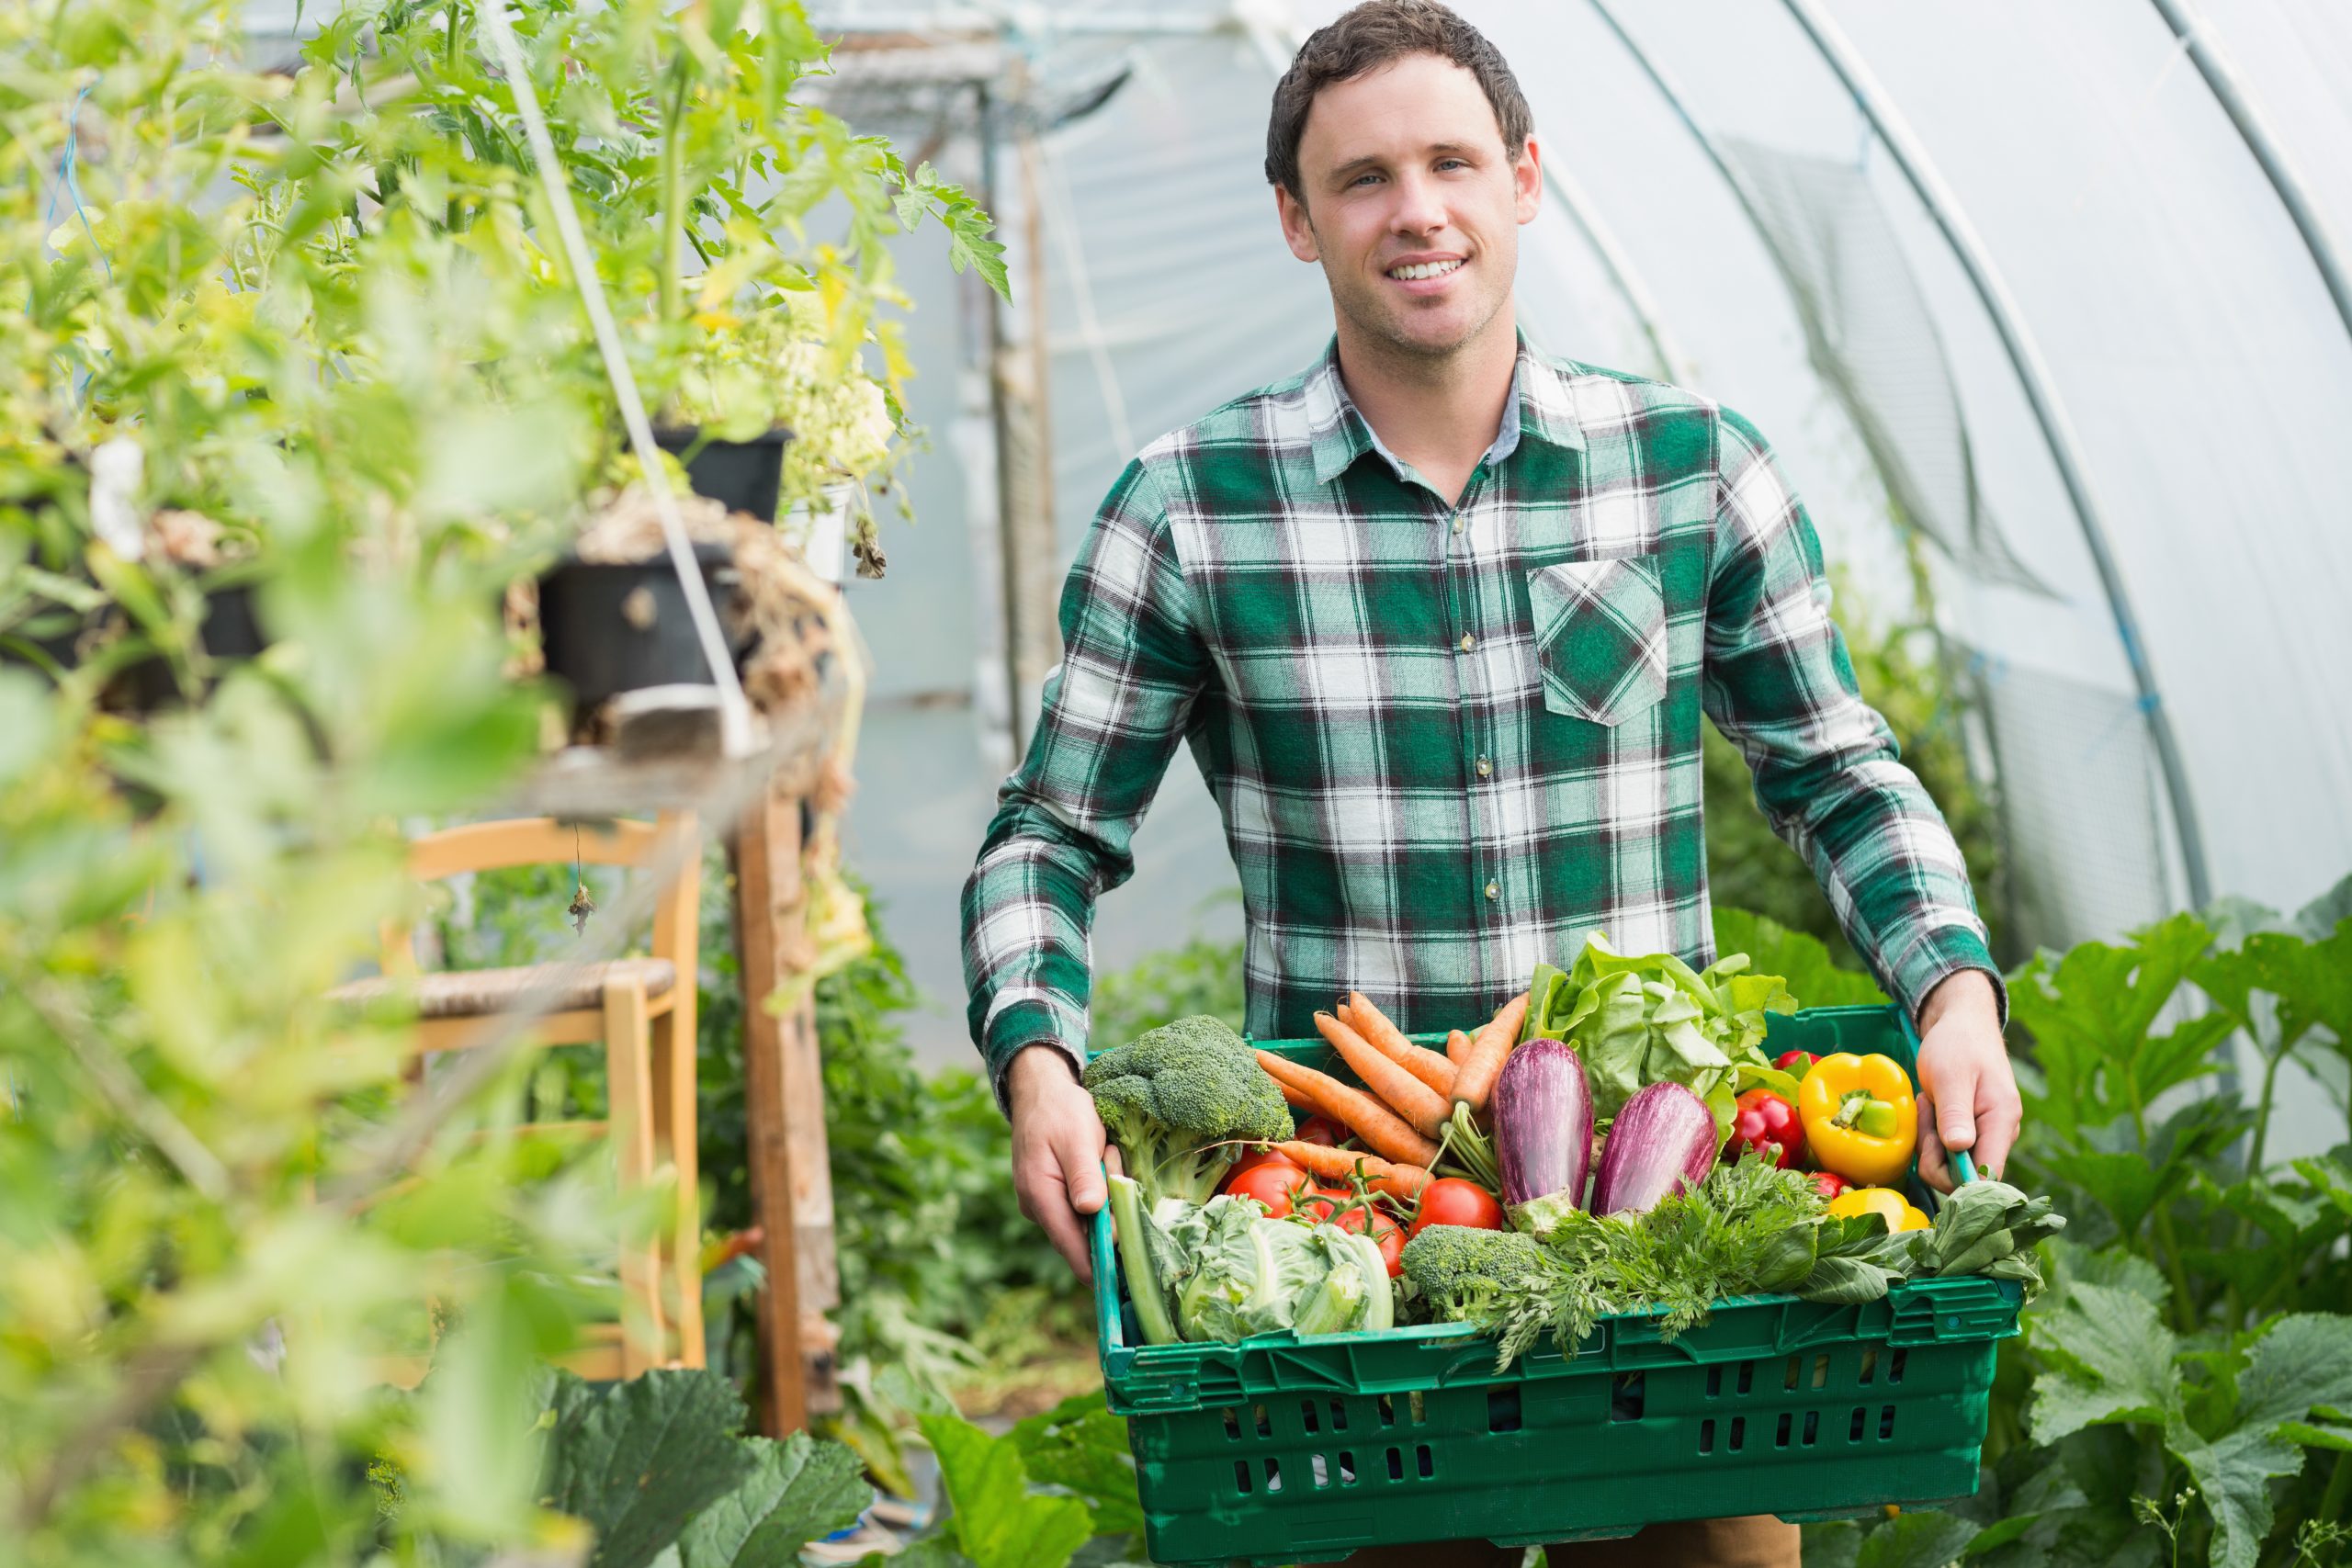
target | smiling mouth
[{"x": 1420, "y": 270}]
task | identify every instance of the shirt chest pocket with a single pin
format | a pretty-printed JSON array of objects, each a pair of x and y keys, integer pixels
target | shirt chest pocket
[{"x": 1599, "y": 637}]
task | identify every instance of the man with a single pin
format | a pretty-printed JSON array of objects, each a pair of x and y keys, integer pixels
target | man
[{"x": 1440, "y": 619}]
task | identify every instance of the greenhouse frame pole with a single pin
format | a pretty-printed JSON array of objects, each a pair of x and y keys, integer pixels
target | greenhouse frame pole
[
  {"x": 2255, "y": 131},
  {"x": 2033, "y": 377}
]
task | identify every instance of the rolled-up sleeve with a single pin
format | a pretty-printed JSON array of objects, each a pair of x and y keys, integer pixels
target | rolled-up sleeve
[
  {"x": 1113, "y": 711},
  {"x": 1828, "y": 774}
]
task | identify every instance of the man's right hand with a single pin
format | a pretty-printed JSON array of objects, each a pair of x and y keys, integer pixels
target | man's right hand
[{"x": 1057, "y": 1149}]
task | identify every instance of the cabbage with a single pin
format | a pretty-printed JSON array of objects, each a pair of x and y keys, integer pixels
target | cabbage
[{"x": 1242, "y": 1274}]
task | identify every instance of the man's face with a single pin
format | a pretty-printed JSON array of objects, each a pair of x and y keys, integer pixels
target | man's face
[{"x": 1413, "y": 205}]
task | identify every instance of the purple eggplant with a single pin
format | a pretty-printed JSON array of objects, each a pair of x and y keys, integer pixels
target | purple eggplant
[
  {"x": 1542, "y": 1114},
  {"x": 1662, "y": 1142}
]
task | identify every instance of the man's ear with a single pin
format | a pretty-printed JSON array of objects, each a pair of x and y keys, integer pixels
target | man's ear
[
  {"x": 1298, "y": 232},
  {"x": 1527, "y": 178}
]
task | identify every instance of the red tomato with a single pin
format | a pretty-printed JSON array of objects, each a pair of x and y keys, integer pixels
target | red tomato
[
  {"x": 1391, "y": 1239},
  {"x": 1272, "y": 1184},
  {"x": 1796, "y": 1064},
  {"x": 1450, "y": 1201},
  {"x": 1320, "y": 1130},
  {"x": 1828, "y": 1183},
  {"x": 1768, "y": 1123},
  {"x": 1257, "y": 1157}
]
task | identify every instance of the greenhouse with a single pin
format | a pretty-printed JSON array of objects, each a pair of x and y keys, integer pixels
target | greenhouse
[{"x": 586, "y": 617}]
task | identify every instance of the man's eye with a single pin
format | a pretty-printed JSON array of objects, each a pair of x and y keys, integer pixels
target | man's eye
[
  {"x": 1361, "y": 179},
  {"x": 1453, "y": 163}
]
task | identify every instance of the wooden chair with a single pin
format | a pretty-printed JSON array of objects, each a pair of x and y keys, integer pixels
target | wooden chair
[{"x": 642, "y": 1010}]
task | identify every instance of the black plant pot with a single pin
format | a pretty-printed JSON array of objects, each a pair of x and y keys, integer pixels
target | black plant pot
[
  {"x": 745, "y": 476},
  {"x": 610, "y": 628},
  {"x": 228, "y": 632}
]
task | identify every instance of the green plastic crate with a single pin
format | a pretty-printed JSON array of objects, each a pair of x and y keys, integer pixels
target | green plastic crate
[{"x": 1285, "y": 1448}]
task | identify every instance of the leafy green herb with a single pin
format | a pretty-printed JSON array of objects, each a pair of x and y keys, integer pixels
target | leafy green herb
[{"x": 1726, "y": 1237}]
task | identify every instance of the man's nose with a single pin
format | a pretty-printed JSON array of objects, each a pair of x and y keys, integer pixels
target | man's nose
[{"x": 1418, "y": 209}]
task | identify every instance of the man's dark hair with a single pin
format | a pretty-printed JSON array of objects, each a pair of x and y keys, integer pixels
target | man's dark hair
[{"x": 1378, "y": 33}]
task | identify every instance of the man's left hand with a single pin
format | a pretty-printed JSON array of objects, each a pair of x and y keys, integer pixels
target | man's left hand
[{"x": 1968, "y": 1096}]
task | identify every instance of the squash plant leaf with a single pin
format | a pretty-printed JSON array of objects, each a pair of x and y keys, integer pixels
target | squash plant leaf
[
  {"x": 2112, "y": 1361},
  {"x": 801, "y": 1490},
  {"x": 1925, "y": 1540},
  {"x": 1080, "y": 1446},
  {"x": 638, "y": 1460},
  {"x": 998, "y": 1522}
]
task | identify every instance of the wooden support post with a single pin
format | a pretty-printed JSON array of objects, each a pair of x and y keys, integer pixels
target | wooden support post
[{"x": 792, "y": 1195}]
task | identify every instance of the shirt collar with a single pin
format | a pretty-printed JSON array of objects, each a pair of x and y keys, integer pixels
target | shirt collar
[{"x": 1537, "y": 407}]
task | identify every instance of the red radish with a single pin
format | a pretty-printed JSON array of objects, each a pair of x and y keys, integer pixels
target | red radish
[
  {"x": 1542, "y": 1108},
  {"x": 1662, "y": 1142}
]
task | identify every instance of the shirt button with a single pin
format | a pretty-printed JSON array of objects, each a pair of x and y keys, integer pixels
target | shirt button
[
  {"x": 1484, "y": 767},
  {"x": 1467, "y": 642},
  {"x": 1494, "y": 890},
  {"x": 1458, "y": 522}
]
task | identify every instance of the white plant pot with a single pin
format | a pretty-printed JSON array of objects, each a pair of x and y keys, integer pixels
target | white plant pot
[{"x": 821, "y": 531}]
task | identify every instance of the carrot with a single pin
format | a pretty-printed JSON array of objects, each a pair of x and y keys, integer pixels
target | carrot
[
  {"x": 1399, "y": 1089},
  {"x": 1484, "y": 1062},
  {"x": 1389, "y": 1041},
  {"x": 1403, "y": 1181},
  {"x": 1293, "y": 1098},
  {"x": 1457, "y": 1048},
  {"x": 1337, "y": 1165},
  {"x": 1385, "y": 1130}
]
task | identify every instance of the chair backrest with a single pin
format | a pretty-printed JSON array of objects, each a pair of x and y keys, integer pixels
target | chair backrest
[{"x": 544, "y": 840}]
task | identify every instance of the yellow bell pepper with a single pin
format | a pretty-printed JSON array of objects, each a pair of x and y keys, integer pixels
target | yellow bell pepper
[
  {"x": 1900, "y": 1212},
  {"x": 1860, "y": 1119}
]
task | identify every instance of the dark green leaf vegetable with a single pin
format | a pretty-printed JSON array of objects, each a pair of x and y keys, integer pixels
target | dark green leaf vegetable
[
  {"x": 1177, "y": 1098},
  {"x": 1986, "y": 1227}
]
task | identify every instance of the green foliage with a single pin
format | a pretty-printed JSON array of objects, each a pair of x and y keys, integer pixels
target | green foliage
[
  {"x": 2181, "y": 1392},
  {"x": 307, "y": 332},
  {"x": 658, "y": 1468},
  {"x": 1802, "y": 960},
  {"x": 1034, "y": 1498}
]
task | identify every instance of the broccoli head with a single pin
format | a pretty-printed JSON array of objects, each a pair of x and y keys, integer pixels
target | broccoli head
[
  {"x": 1462, "y": 1272},
  {"x": 1175, "y": 1091}
]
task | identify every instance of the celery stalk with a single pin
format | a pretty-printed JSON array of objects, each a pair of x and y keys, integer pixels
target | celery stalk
[{"x": 1135, "y": 1258}]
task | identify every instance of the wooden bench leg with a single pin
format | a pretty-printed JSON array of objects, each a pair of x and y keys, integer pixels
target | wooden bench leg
[
  {"x": 628, "y": 1075},
  {"x": 676, "y": 1131}
]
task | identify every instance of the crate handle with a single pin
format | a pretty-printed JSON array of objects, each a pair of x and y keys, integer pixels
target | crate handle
[{"x": 1106, "y": 1273}]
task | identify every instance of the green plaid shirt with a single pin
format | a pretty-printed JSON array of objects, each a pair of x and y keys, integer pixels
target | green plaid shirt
[{"x": 1449, "y": 741}]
